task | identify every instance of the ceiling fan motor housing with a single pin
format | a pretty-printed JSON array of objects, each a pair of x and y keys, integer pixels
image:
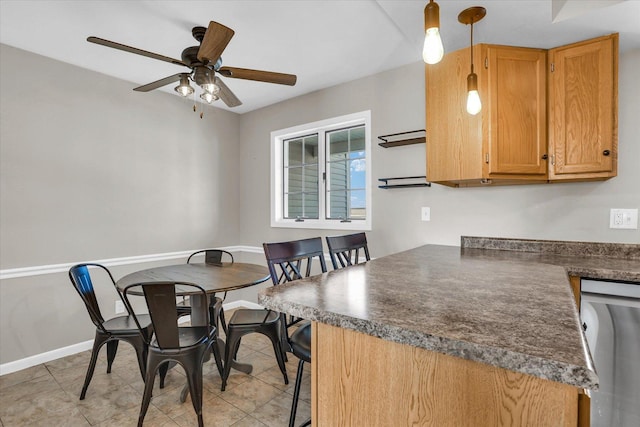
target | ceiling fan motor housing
[
  {"x": 190, "y": 56},
  {"x": 203, "y": 75},
  {"x": 198, "y": 33}
]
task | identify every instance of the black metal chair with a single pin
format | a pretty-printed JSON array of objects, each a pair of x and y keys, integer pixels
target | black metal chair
[
  {"x": 111, "y": 331},
  {"x": 345, "y": 250},
  {"x": 247, "y": 321},
  {"x": 286, "y": 263},
  {"x": 211, "y": 257},
  {"x": 186, "y": 346}
]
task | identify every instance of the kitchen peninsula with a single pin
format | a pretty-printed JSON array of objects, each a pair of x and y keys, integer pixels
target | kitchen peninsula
[{"x": 442, "y": 335}]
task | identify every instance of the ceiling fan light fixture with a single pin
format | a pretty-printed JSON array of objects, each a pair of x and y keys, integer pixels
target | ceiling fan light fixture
[
  {"x": 469, "y": 17},
  {"x": 211, "y": 88},
  {"x": 184, "y": 88},
  {"x": 432, "y": 51},
  {"x": 208, "y": 97}
]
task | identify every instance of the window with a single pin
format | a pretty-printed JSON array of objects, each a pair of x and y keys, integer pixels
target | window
[{"x": 320, "y": 174}]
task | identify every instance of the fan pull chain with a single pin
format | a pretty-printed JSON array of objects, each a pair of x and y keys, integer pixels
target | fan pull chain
[{"x": 194, "y": 101}]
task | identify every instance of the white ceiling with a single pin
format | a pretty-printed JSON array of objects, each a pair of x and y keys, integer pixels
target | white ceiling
[{"x": 323, "y": 42}]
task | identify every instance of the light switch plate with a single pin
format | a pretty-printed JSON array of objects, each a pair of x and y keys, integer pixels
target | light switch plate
[
  {"x": 624, "y": 218},
  {"x": 426, "y": 214},
  {"x": 119, "y": 307}
]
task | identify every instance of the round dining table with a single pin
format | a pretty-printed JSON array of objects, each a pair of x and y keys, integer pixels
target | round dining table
[{"x": 213, "y": 278}]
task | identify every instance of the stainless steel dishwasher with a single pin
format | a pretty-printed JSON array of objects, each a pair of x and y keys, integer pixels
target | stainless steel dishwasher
[{"x": 610, "y": 313}]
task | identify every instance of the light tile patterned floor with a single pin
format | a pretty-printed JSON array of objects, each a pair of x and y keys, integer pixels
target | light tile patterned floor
[{"x": 48, "y": 394}]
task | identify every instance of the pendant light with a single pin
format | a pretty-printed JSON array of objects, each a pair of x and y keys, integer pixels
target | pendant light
[
  {"x": 469, "y": 17},
  {"x": 433, "y": 50}
]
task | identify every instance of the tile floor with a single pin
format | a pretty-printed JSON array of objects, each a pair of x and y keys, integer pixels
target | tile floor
[{"x": 48, "y": 394}]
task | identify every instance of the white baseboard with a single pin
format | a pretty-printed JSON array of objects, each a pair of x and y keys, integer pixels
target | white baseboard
[
  {"x": 27, "y": 362},
  {"x": 241, "y": 303},
  {"x": 37, "y": 359}
]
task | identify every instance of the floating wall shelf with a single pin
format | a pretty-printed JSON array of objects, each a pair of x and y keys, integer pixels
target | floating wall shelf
[
  {"x": 403, "y": 138},
  {"x": 399, "y": 139},
  {"x": 406, "y": 184}
]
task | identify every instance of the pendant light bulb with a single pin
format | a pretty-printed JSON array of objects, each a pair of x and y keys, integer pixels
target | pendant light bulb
[
  {"x": 433, "y": 50},
  {"x": 470, "y": 16},
  {"x": 474, "y": 105}
]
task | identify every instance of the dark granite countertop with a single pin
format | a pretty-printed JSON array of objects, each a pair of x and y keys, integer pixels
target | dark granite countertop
[
  {"x": 606, "y": 261},
  {"x": 507, "y": 308}
]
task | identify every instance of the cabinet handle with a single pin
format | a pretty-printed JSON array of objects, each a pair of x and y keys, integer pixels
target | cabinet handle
[
  {"x": 545, "y": 156},
  {"x": 606, "y": 152}
]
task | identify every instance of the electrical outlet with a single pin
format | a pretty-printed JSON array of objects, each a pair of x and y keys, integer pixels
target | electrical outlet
[
  {"x": 624, "y": 218},
  {"x": 426, "y": 214},
  {"x": 119, "y": 307}
]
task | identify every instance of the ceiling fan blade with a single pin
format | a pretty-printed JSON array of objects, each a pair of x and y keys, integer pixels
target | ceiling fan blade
[
  {"x": 226, "y": 95},
  {"x": 214, "y": 42},
  {"x": 257, "y": 75},
  {"x": 137, "y": 51},
  {"x": 159, "y": 83}
]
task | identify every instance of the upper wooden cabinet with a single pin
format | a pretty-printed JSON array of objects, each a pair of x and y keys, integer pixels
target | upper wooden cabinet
[
  {"x": 515, "y": 111},
  {"x": 506, "y": 143},
  {"x": 583, "y": 119}
]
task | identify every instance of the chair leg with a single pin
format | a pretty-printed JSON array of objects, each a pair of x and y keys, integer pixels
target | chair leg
[
  {"x": 279, "y": 352},
  {"x": 152, "y": 367},
  {"x": 296, "y": 394},
  {"x": 162, "y": 370},
  {"x": 98, "y": 342},
  {"x": 223, "y": 322},
  {"x": 141, "y": 353},
  {"x": 217, "y": 356},
  {"x": 112, "y": 348},
  {"x": 233, "y": 343},
  {"x": 194, "y": 379},
  {"x": 284, "y": 336}
]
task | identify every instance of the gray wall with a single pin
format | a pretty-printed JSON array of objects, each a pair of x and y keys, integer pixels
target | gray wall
[
  {"x": 91, "y": 170},
  {"x": 567, "y": 211}
]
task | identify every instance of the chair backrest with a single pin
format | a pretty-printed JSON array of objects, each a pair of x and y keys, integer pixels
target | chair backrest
[
  {"x": 346, "y": 249},
  {"x": 161, "y": 302},
  {"x": 286, "y": 260},
  {"x": 81, "y": 280},
  {"x": 211, "y": 256}
]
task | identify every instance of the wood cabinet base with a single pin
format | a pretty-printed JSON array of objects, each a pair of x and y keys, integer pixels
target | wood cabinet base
[{"x": 360, "y": 380}]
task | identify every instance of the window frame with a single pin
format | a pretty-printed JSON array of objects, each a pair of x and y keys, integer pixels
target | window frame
[{"x": 320, "y": 127}]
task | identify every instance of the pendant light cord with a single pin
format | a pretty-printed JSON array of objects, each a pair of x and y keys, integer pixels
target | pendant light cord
[{"x": 471, "y": 47}]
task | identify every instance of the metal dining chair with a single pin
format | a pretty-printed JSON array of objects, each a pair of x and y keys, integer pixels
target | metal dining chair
[
  {"x": 211, "y": 257},
  {"x": 111, "y": 331},
  {"x": 185, "y": 345}
]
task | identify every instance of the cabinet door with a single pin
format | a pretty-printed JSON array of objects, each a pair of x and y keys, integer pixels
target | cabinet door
[
  {"x": 454, "y": 137},
  {"x": 582, "y": 109},
  {"x": 517, "y": 104}
]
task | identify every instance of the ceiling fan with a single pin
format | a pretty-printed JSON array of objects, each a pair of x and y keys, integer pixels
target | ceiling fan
[{"x": 205, "y": 62}]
